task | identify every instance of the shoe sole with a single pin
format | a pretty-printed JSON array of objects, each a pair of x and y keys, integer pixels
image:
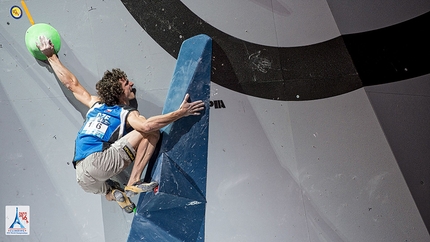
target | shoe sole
[
  {"x": 139, "y": 188},
  {"x": 127, "y": 205}
]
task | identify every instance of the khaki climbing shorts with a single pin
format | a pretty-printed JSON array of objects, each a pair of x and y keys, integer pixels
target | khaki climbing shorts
[{"x": 93, "y": 171}]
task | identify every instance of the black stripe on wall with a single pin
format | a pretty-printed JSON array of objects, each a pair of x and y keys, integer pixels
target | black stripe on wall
[
  {"x": 393, "y": 53},
  {"x": 298, "y": 73},
  {"x": 301, "y": 73}
]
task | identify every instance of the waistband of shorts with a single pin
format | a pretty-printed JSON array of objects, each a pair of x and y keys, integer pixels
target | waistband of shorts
[{"x": 76, "y": 163}]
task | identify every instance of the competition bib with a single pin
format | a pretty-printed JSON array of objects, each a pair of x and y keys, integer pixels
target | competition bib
[{"x": 97, "y": 126}]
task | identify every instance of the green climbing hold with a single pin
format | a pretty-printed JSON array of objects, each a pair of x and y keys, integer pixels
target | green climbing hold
[{"x": 32, "y": 36}]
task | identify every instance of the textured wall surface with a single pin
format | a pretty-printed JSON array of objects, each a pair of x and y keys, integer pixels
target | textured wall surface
[{"x": 304, "y": 143}]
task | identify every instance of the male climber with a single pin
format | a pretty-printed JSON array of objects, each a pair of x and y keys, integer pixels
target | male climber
[{"x": 113, "y": 134}]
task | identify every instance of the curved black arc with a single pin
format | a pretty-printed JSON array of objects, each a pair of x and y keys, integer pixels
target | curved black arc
[
  {"x": 393, "y": 53},
  {"x": 298, "y": 73}
]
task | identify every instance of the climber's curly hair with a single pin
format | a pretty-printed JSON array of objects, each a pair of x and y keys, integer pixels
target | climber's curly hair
[{"x": 109, "y": 88}]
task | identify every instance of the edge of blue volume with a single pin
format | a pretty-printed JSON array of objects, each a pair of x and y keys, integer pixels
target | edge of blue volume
[{"x": 176, "y": 211}]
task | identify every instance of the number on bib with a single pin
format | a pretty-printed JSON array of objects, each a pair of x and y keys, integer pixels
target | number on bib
[{"x": 95, "y": 128}]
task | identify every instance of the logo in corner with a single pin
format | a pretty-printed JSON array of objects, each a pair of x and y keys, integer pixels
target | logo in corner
[{"x": 17, "y": 220}]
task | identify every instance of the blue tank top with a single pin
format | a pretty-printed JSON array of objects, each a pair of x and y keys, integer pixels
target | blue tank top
[{"x": 102, "y": 127}]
